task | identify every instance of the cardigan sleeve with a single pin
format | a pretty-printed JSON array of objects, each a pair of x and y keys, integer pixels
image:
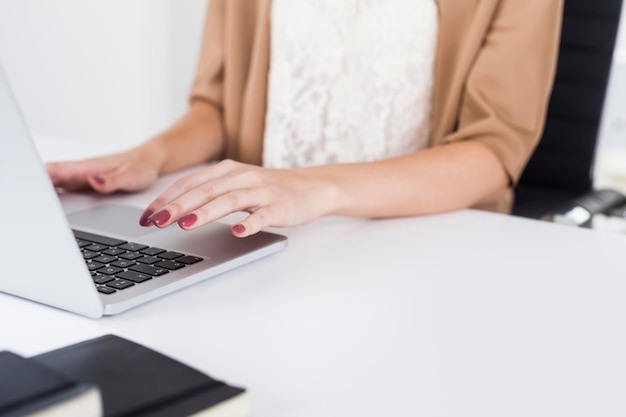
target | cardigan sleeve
[
  {"x": 505, "y": 99},
  {"x": 208, "y": 83}
]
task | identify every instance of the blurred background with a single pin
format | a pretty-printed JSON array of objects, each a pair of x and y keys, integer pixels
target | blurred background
[
  {"x": 107, "y": 72},
  {"x": 115, "y": 72}
]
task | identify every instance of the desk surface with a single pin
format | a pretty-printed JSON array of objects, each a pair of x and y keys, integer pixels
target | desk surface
[{"x": 460, "y": 314}]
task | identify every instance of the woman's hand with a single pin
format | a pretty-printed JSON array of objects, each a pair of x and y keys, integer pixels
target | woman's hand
[
  {"x": 132, "y": 170},
  {"x": 197, "y": 137},
  {"x": 272, "y": 197},
  {"x": 435, "y": 180}
]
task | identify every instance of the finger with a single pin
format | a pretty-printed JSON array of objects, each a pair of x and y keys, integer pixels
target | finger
[
  {"x": 69, "y": 186},
  {"x": 231, "y": 202},
  {"x": 188, "y": 183},
  {"x": 163, "y": 216},
  {"x": 71, "y": 171},
  {"x": 127, "y": 178},
  {"x": 255, "y": 222},
  {"x": 61, "y": 179},
  {"x": 74, "y": 175},
  {"x": 229, "y": 187},
  {"x": 107, "y": 184}
]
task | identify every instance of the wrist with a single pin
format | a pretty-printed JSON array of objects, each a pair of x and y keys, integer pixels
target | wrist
[
  {"x": 331, "y": 197},
  {"x": 155, "y": 153},
  {"x": 197, "y": 137}
]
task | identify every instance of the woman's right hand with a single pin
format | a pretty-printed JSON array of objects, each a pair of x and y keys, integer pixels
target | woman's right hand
[{"x": 132, "y": 170}]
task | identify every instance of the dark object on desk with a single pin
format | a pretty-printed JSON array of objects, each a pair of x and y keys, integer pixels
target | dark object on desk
[
  {"x": 581, "y": 211},
  {"x": 28, "y": 388},
  {"x": 560, "y": 170},
  {"x": 137, "y": 381}
]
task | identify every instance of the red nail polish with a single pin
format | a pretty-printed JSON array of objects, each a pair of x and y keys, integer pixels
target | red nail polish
[
  {"x": 99, "y": 180},
  {"x": 239, "y": 229},
  {"x": 146, "y": 218},
  {"x": 187, "y": 221},
  {"x": 161, "y": 218}
]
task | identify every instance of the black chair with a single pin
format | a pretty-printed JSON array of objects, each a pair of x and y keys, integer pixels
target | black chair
[{"x": 561, "y": 169}]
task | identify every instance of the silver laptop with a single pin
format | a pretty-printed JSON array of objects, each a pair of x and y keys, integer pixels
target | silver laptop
[{"x": 99, "y": 261}]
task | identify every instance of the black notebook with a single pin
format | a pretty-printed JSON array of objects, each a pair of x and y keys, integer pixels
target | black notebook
[
  {"x": 137, "y": 381},
  {"x": 28, "y": 388}
]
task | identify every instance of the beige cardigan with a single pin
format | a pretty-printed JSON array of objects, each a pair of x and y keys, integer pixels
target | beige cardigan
[{"x": 494, "y": 71}]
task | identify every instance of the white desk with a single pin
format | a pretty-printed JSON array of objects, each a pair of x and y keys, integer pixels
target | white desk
[{"x": 462, "y": 314}]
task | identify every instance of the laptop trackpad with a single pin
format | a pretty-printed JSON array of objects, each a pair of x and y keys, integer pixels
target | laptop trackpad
[
  {"x": 118, "y": 220},
  {"x": 212, "y": 240}
]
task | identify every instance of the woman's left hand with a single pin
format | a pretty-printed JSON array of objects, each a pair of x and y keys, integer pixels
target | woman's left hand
[{"x": 272, "y": 197}]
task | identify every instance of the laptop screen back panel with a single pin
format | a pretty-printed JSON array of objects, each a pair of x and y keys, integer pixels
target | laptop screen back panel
[{"x": 44, "y": 262}]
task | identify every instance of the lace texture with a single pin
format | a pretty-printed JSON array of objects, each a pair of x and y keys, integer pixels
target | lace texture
[{"x": 350, "y": 80}]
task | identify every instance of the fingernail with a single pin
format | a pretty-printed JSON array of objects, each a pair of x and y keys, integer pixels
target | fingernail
[
  {"x": 239, "y": 229},
  {"x": 161, "y": 218},
  {"x": 99, "y": 180},
  {"x": 187, "y": 221},
  {"x": 146, "y": 218}
]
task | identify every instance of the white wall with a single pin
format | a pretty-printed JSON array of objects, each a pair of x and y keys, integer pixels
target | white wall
[{"x": 100, "y": 70}]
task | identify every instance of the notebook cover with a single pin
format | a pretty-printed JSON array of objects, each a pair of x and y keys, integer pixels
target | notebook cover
[
  {"x": 27, "y": 387},
  {"x": 135, "y": 380}
]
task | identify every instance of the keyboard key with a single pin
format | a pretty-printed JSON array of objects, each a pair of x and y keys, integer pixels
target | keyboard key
[
  {"x": 103, "y": 240},
  {"x": 148, "y": 269},
  {"x": 90, "y": 255},
  {"x": 102, "y": 279},
  {"x": 96, "y": 247},
  {"x": 170, "y": 256},
  {"x": 189, "y": 260},
  {"x": 105, "y": 259},
  {"x": 106, "y": 290},
  {"x": 134, "y": 276},
  {"x": 133, "y": 247},
  {"x": 120, "y": 284},
  {"x": 152, "y": 251},
  {"x": 149, "y": 260},
  {"x": 122, "y": 263},
  {"x": 83, "y": 243},
  {"x": 114, "y": 251},
  {"x": 172, "y": 266},
  {"x": 110, "y": 270},
  {"x": 132, "y": 255},
  {"x": 92, "y": 266}
]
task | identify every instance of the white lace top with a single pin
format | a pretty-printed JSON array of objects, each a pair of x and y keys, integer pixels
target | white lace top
[{"x": 350, "y": 80}]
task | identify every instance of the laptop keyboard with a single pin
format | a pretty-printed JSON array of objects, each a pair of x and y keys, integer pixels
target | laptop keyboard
[{"x": 117, "y": 264}]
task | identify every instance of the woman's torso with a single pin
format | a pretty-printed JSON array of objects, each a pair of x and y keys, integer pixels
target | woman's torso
[{"x": 349, "y": 80}]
